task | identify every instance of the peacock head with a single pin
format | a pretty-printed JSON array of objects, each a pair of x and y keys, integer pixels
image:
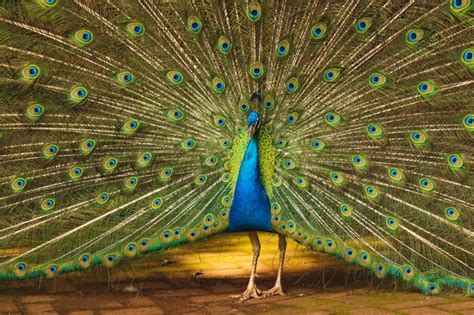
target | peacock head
[{"x": 253, "y": 122}]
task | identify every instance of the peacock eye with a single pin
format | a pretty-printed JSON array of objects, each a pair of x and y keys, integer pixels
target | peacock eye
[
  {"x": 469, "y": 120},
  {"x": 467, "y": 55},
  {"x": 457, "y": 3}
]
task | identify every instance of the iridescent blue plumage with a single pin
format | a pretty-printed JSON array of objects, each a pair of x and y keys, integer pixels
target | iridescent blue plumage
[{"x": 250, "y": 209}]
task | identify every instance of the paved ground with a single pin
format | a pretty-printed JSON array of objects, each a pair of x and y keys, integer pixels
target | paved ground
[{"x": 199, "y": 278}]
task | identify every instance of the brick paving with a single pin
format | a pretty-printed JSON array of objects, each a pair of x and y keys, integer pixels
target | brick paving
[{"x": 171, "y": 284}]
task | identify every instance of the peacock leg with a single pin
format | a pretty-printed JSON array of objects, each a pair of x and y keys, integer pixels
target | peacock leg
[
  {"x": 252, "y": 291},
  {"x": 277, "y": 288}
]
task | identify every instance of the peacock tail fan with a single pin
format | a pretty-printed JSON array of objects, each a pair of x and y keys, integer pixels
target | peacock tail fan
[{"x": 123, "y": 128}]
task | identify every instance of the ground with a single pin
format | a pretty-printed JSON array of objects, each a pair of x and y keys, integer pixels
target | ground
[{"x": 198, "y": 279}]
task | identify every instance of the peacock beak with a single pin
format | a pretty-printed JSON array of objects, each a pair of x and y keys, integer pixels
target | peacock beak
[{"x": 251, "y": 130}]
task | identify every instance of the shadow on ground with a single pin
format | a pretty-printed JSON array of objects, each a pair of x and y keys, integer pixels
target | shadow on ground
[{"x": 198, "y": 279}]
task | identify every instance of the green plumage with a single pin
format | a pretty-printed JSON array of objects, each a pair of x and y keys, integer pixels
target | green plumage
[{"x": 123, "y": 128}]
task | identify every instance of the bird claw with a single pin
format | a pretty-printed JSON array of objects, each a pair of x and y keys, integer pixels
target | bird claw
[
  {"x": 276, "y": 290},
  {"x": 251, "y": 292}
]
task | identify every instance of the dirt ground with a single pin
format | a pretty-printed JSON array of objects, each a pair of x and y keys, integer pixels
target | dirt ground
[{"x": 198, "y": 279}]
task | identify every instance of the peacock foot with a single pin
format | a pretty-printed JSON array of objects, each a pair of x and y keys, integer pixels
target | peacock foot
[
  {"x": 276, "y": 290},
  {"x": 251, "y": 292}
]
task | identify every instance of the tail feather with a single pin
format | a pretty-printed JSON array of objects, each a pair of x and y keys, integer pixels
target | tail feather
[{"x": 122, "y": 130}]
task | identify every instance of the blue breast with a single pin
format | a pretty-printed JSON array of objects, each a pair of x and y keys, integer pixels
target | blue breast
[{"x": 250, "y": 209}]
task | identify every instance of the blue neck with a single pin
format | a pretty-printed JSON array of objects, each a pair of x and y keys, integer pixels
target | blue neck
[{"x": 250, "y": 209}]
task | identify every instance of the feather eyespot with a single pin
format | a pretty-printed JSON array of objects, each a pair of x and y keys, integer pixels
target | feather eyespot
[
  {"x": 47, "y": 204},
  {"x": 269, "y": 102},
  {"x": 224, "y": 45},
  {"x": 377, "y": 80},
  {"x": 319, "y": 30},
  {"x": 332, "y": 75},
  {"x": 102, "y": 198},
  {"x": 83, "y": 37},
  {"x": 218, "y": 85},
  {"x": 332, "y": 119},
  {"x": 414, "y": 36},
  {"x": 135, "y": 29},
  {"x": 317, "y": 145},
  {"x": 292, "y": 85},
  {"x": 460, "y": 6},
  {"x": 452, "y": 214},
  {"x": 34, "y": 112},
  {"x": 362, "y": 25},
  {"x": 467, "y": 58},
  {"x": 254, "y": 11},
  {"x": 256, "y": 70},
  {"x": 426, "y": 184},
  {"x": 283, "y": 48},
  {"x": 194, "y": 25},
  {"x": 78, "y": 94},
  {"x": 426, "y": 88},
  {"x": 346, "y": 212},
  {"x": 174, "y": 77},
  {"x": 30, "y": 73},
  {"x": 47, "y": 4}
]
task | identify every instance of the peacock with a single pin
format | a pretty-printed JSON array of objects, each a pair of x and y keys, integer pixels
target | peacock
[{"x": 129, "y": 127}]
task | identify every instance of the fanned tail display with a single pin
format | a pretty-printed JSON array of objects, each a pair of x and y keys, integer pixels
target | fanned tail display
[{"x": 124, "y": 126}]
